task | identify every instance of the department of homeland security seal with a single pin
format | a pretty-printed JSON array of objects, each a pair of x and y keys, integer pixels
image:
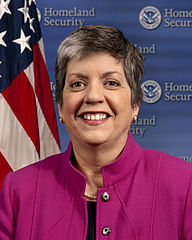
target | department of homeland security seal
[
  {"x": 151, "y": 91},
  {"x": 150, "y": 17}
]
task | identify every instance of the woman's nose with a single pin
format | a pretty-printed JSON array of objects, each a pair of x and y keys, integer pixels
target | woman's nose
[{"x": 94, "y": 93}]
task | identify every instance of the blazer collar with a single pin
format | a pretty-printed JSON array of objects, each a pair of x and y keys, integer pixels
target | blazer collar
[
  {"x": 124, "y": 164},
  {"x": 111, "y": 173}
]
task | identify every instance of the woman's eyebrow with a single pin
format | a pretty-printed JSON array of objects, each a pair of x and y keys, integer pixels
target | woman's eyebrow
[
  {"x": 85, "y": 76},
  {"x": 78, "y": 74},
  {"x": 106, "y": 74}
]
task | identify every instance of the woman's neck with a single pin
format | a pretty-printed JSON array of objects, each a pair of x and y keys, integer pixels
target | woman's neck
[{"x": 89, "y": 159}]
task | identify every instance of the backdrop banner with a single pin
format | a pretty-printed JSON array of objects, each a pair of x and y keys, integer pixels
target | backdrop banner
[{"x": 162, "y": 30}]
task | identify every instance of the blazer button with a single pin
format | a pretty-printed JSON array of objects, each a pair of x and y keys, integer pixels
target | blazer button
[
  {"x": 106, "y": 231},
  {"x": 105, "y": 197}
]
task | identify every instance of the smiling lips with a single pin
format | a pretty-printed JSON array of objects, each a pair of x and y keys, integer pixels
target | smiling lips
[{"x": 94, "y": 116}]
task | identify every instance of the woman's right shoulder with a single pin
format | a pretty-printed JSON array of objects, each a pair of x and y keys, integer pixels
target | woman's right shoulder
[{"x": 28, "y": 176}]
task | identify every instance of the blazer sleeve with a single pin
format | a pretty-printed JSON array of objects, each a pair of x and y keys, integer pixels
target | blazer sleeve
[
  {"x": 187, "y": 225},
  {"x": 7, "y": 220}
]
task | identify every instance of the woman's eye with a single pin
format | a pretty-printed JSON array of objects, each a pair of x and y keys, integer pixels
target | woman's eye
[
  {"x": 112, "y": 83},
  {"x": 77, "y": 84}
]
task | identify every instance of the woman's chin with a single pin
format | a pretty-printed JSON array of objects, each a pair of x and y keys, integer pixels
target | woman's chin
[{"x": 95, "y": 139}]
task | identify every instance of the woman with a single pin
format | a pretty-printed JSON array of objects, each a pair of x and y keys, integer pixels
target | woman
[{"x": 104, "y": 186}]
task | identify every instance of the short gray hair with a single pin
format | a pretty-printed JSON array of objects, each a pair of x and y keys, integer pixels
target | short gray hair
[{"x": 91, "y": 39}]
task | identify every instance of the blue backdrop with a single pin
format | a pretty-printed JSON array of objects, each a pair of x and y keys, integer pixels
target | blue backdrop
[{"x": 162, "y": 30}]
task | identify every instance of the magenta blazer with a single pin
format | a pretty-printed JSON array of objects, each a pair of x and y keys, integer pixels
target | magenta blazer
[{"x": 149, "y": 196}]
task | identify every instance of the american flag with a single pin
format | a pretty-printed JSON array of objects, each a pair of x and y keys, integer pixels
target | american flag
[{"x": 28, "y": 130}]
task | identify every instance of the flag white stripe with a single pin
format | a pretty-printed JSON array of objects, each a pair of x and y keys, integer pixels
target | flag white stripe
[
  {"x": 41, "y": 46},
  {"x": 15, "y": 140},
  {"x": 11, "y": 145},
  {"x": 48, "y": 144}
]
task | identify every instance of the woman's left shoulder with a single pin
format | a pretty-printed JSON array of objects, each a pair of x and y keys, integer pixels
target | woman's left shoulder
[{"x": 168, "y": 164}]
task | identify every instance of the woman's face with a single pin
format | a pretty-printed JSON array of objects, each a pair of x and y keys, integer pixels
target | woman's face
[{"x": 97, "y": 100}]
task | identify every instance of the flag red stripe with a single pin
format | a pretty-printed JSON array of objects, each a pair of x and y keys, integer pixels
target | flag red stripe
[
  {"x": 4, "y": 168},
  {"x": 43, "y": 91},
  {"x": 21, "y": 99}
]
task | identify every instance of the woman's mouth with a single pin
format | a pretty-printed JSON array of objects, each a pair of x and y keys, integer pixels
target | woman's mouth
[{"x": 95, "y": 116}]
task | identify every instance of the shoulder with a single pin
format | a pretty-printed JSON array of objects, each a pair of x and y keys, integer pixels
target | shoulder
[
  {"x": 27, "y": 177},
  {"x": 170, "y": 169},
  {"x": 166, "y": 160}
]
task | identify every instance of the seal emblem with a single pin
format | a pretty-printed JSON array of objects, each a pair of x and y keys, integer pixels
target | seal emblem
[
  {"x": 150, "y": 17},
  {"x": 151, "y": 91}
]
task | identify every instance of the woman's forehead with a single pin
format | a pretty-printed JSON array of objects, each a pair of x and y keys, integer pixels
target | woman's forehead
[{"x": 99, "y": 60}]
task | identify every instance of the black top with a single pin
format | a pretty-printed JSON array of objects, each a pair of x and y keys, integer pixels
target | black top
[
  {"x": 91, "y": 208},
  {"x": 91, "y": 232}
]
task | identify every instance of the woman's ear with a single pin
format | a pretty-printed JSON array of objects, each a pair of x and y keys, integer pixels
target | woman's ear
[
  {"x": 61, "y": 117},
  {"x": 135, "y": 112},
  {"x": 59, "y": 108},
  {"x": 136, "y": 109}
]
